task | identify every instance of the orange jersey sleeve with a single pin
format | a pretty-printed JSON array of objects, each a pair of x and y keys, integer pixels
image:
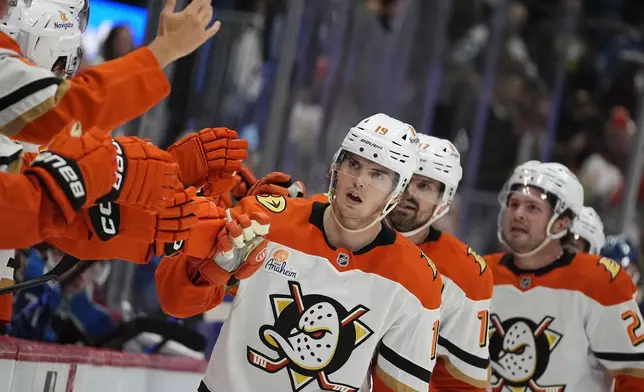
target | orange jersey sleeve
[
  {"x": 36, "y": 104},
  {"x": 320, "y": 197},
  {"x": 181, "y": 292},
  {"x": 28, "y": 214}
]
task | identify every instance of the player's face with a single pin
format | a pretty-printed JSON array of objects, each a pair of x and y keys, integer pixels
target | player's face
[
  {"x": 525, "y": 219},
  {"x": 417, "y": 204},
  {"x": 362, "y": 189}
]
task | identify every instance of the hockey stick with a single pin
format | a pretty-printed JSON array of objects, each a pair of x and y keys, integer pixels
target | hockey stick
[{"x": 64, "y": 265}]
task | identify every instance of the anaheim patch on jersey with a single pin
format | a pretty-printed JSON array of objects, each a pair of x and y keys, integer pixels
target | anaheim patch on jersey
[
  {"x": 273, "y": 203},
  {"x": 278, "y": 264},
  {"x": 520, "y": 352},
  {"x": 312, "y": 337}
]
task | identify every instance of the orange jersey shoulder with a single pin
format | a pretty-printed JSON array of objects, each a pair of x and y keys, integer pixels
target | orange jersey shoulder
[
  {"x": 408, "y": 265},
  {"x": 599, "y": 278},
  {"x": 461, "y": 264},
  {"x": 320, "y": 197}
]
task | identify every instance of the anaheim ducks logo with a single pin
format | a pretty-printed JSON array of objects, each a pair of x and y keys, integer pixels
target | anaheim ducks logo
[
  {"x": 520, "y": 352},
  {"x": 313, "y": 336},
  {"x": 273, "y": 203}
]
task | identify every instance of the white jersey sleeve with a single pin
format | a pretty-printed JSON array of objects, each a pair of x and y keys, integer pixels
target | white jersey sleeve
[
  {"x": 463, "y": 339},
  {"x": 27, "y": 91},
  {"x": 407, "y": 352},
  {"x": 616, "y": 335}
]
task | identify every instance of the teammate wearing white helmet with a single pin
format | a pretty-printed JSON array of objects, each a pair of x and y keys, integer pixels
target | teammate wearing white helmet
[
  {"x": 48, "y": 34},
  {"x": 560, "y": 321},
  {"x": 336, "y": 290},
  {"x": 462, "y": 345},
  {"x": 587, "y": 233},
  {"x": 40, "y": 51}
]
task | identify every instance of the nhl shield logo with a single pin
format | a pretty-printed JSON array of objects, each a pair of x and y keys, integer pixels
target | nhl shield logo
[
  {"x": 525, "y": 282},
  {"x": 342, "y": 260}
]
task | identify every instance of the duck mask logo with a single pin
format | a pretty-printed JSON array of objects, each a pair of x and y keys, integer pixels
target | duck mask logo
[
  {"x": 313, "y": 336},
  {"x": 520, "y": 352}
]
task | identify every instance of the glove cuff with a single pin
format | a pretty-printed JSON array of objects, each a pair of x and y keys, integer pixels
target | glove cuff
[
  {"x": 211, "y": 272},
  {"x": 62, "y": 181}
]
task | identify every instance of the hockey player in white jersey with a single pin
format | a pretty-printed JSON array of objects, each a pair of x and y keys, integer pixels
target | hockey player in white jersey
[
  {"x": 559, "y": 320},
  {"x": 337, "y": 297},
  {"x": 463, "y": 358},
  {"x": 587, "y": 233}
]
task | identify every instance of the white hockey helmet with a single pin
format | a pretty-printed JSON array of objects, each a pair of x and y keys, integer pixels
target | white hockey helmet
[
  {"x": 10, "y": 24},
  {"x": 48, "y": 34},
  {"x": 588, "y": 226},
  {"x": 386, "y": 141},
  {"x": 439, "y": 160},
  {"x": 79, "y": 10},
  {"x": 552, "y": 178}
]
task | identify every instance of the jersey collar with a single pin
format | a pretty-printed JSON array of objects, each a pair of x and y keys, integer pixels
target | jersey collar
[
  {"x": 433, "y": 235},
  {"x": 508, "y": 261}
]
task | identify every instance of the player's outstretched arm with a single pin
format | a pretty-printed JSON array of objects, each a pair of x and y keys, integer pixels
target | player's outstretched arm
[
  {"x": 105, "y": 96},
  {"x": 70, "y": 174},
  {"x": 129, "y": 233},
  {"x": 37, "y": 104}
]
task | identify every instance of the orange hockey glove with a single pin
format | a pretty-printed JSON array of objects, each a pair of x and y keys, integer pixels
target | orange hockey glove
[
  {"x": 209, "y": 158},
  {"x": 146, "y": 175},
  {"x": 212, "y": 219},
  {"x": 224, "y": 200},
  {"x": 171, "y": 223},
  {"x": 76, "y": 168},
  {"x": 244, "y": 180},
  {"x": 126, "y": 232},
  {"x": 239, "y": 251},
  {"x": 277, "y": 183}
]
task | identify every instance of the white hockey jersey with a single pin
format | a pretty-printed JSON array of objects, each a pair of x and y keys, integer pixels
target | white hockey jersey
[
  {"x": 571, "y": 326},
  {"x": 463, "y": 356},
  {"x": 319, "y": 318}
]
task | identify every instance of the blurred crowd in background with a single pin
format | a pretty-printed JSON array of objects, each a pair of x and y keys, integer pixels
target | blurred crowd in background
[{"x": 506, "y": 80}]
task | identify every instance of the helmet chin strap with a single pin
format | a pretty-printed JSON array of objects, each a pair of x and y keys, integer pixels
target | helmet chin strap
[
  {"x": 546, "y": 241},
  {"x": 391, "y": 204},
  {"x": 369, "y": 226}
]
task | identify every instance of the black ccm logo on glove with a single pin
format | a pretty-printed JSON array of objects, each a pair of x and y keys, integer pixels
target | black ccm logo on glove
[
  {"x": 67, "y": 175},
  {"x": 121, "y": 170},
  {"x": 105, "y": 216},
  {"x": 105, "y": 219}
]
